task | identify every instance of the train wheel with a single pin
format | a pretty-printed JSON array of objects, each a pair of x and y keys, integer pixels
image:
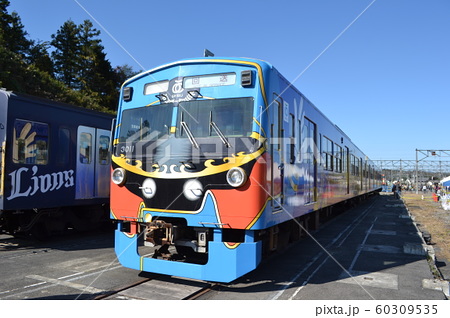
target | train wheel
[{"x": 284, "y": 235}]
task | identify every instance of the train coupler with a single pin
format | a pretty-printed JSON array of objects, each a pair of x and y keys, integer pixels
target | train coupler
[{"x": 158, "y": 233}]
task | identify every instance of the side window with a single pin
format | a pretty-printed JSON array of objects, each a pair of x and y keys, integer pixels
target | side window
[
  {"x": 357, "y": 166},
  {"x": 327, "y": 150},
  {"x": 85, "y": 148},
  {"x": 103, "y": 150},
  {"x": 30, "y": 142},
  {"x": 337, "y": 158},
  {"x": 353, "y": 165}
]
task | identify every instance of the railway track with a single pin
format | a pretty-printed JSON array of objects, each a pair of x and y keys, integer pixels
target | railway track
[{"x": 159, "y": 288}]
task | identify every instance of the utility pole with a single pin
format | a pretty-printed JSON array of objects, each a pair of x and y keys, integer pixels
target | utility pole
[{"x": 417, "y": 173}]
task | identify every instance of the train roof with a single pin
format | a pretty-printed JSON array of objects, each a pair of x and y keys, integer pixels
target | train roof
[
  {"x": 223, "y": 60},
  {"x": 41, "y": 100}
]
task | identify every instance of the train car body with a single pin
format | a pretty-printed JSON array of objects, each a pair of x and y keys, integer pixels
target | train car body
[
  {"x": 216, "y": 161},
  {"x": 55, "y": 165}
]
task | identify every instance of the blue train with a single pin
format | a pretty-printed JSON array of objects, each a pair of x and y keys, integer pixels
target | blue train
[
  {"x": 55, "y": 166},
  {"x": 220, "y": 161}
]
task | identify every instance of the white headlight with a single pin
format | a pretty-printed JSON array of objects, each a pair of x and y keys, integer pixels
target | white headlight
[
  {"x": 193, "y": 190},
  {"x": 236, "y": 177},
  {"x": 118, "y": 176},
  {"x": 148, "y": 188}
]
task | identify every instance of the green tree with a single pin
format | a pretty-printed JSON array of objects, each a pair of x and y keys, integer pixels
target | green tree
[
  {"x": 66, "y": 56},
  {"x": 14, "y": 46},
  {"x": 88, "y": 49},
  {"x": 80, "y": 62},
  {"x": 40, "y": 57},
  {"x": 122, "y": 73},
  {"x": 76, "y": 72},
  {"x": 13, "y": 36},
  {"x": 96, "y": 73},
  {"x": 27, "y": 66}
]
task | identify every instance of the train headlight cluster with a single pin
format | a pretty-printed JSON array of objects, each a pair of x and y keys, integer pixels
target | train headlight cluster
[
  {"x": 236, "y": 177},
  {"x": 118, "y": 176}
]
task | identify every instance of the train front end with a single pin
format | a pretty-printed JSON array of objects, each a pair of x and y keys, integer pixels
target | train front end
[{"x": 189, "y": 175}]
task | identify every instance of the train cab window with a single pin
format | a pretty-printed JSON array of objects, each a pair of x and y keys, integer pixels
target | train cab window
[
  {"x": 103, "y": 150},
  {"x": 30, "y": 142},
  {"x": 85, "y": 148}
]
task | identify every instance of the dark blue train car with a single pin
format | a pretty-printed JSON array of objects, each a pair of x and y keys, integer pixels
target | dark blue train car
[{"x": 55, "y": 165}]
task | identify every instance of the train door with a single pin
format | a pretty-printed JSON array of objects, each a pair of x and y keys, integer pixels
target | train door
[
  {"x": 364, "y": 175},
  {"x": 347, "y": 168},
  {"x": 310, "y": 154},
  {"x": 92, "y": 176},
  {"x": 85, "y": 163},
  {"x": 276, "y": 151},
  {"x": 2, "y": 167},
  {"x": 3, "y": 118},
  {"x": 102, "y": 162}
]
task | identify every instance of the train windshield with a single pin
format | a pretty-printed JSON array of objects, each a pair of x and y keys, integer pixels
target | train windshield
[
  {"x": 197, "y": 128},
  {"x": 147, "y": 123},
  {"x": 215, "y": 118}
]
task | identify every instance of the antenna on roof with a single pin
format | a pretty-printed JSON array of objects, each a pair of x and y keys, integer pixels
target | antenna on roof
[{"x": 207, "y": 53}]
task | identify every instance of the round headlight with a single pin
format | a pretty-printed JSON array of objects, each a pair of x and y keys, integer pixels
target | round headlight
[
  {"x": 118, "y": 176},
  {"x": 193, "y": 190},
  {"x": 148, "y": 188},
  {"x": 236, "y": 177}
]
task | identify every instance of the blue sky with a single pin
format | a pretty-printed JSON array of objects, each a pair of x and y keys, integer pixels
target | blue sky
[{"x": 385, "y": 81}]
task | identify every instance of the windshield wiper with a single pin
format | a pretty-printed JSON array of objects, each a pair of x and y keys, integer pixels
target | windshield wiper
[
  {"x": 221, "y": 135},
  {"x": 189, "y": 134},
  {"x": 218, "y": 131}
]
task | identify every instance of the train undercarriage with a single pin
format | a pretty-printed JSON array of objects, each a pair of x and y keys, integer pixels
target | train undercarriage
[{"x": 43, "y": 223}]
